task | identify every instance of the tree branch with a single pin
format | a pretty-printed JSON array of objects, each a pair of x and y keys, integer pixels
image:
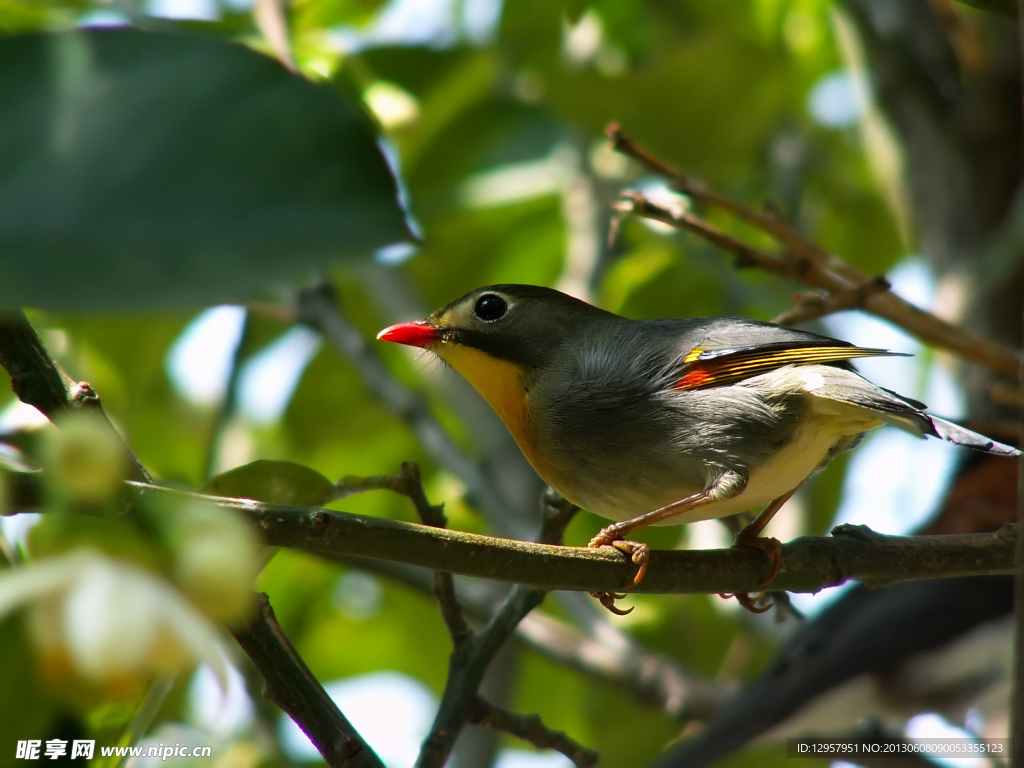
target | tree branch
[
  {"x": 809, "y": 563},
  {"x": 408, "y": 484},
  {"x": 532, "y": 729},
  {"x": 811, "y": 306},
  {"x": 444, "y": 587},
  {"x": 38, "y": 380},
  {"x": 806, "y": 262},
  {"x": 468, "y": 664},
  {"x": 292, "y": 687}
]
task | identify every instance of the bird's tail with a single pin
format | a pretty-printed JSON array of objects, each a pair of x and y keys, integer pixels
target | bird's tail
[
  {"x": 954, "y": 433},
  {"x": 906, "y": 413}
]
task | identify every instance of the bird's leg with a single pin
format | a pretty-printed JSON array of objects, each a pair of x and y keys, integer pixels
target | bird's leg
[
  {"x": 613, "y": 536},
  {"x": 751, "y": 537}
]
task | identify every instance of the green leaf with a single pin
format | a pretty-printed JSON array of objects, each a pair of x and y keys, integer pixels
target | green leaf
[
  {"x": 272, "y": 482},
  {"x": 142, "y": 169}
]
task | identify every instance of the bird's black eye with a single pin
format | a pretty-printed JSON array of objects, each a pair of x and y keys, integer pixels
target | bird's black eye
[{"x": 490, "y": 307}]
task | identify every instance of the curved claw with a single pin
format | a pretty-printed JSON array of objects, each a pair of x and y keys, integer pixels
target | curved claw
[
  {"x": 607, "y": 599},
  {"x": 639, "y": 553},
  {"x": 748, "y": 602}
]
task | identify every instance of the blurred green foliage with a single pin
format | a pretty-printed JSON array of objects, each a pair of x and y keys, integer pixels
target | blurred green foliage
[{"x": 499, "y": 139}]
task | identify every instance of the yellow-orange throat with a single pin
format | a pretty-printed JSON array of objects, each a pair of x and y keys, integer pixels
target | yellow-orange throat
[{"x": 501, "y": 383}]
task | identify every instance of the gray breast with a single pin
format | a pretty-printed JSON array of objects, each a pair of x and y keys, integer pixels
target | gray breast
[{"x": 610, "y": 419}]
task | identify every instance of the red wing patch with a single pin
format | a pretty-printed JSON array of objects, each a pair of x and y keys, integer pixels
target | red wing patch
[
  {"x": 695, "y": 378},
  {"x": 710, "y": 368}
]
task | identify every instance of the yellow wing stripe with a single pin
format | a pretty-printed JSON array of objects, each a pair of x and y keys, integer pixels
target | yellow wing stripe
[{"x": 744, "y": 364}]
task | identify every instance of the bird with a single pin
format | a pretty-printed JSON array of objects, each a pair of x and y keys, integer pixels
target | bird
[{"x": 670, "y": 421}]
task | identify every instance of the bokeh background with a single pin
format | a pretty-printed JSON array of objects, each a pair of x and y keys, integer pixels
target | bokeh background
[{"x": 491, "y": 115}]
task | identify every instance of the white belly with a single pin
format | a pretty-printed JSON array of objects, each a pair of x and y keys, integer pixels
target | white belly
[
  {"x": 824, "y": 424},
  {"x": 829, "y": 422}
]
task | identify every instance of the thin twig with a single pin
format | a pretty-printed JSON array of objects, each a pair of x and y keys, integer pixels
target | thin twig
[
  {"x": 451, "y": 611},
  {"x": 746, "y": 255},
  {"x": 38, "y": 380},
  {"x": 532, "y": 729},
  {"x": 814, "y": 266},
  {"x": 444, "y": 586},
  {"x": 410, "y": 485},
  {"x": 466, "y": 670},
  {"x": 812, "y": 306},
  {"x": 558, "y": 513},
  {"x": 472, "y": 653},
  {"x": 294, "y": 689}
]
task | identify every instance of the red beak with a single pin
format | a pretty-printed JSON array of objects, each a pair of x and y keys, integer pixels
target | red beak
[{"x": 418, "y": 334}]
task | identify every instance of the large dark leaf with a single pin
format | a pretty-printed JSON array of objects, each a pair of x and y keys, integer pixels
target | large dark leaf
[{"x": 141, "y": 169}]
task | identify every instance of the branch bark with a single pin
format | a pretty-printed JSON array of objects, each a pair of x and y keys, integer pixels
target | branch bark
[
  {"x": 292, "y": 687},
  {"x": 530, "y": 728},
  {"x": 809, "y": 564},
  {"x": 38, "y": 380}
]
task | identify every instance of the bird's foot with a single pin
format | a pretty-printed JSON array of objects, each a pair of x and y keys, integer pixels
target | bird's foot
[
  {"x": 770, "y": 546},
  {"x": 638, "y": 553},
  {"x": 748, "y": 602}
]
